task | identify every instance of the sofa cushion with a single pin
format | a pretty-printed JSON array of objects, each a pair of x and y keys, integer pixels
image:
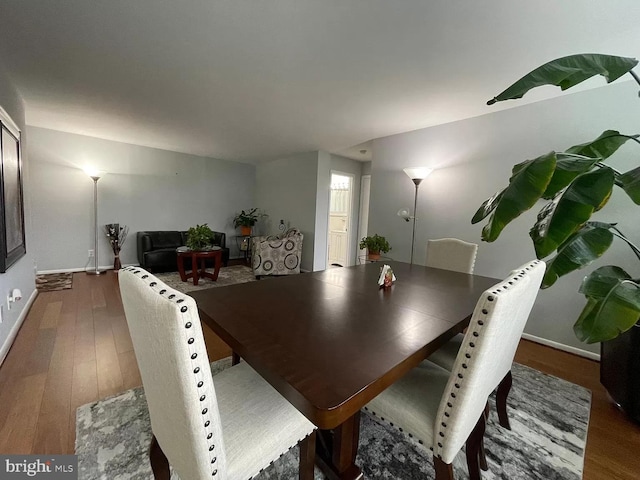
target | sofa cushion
[{"x": 165, "y": 239}]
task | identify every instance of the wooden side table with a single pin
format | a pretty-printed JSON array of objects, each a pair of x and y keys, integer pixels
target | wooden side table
[{"x": 199, "y": 256}]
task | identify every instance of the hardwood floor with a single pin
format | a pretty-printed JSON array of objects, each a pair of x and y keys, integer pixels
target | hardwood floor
[{"x": 74, "y": 348}]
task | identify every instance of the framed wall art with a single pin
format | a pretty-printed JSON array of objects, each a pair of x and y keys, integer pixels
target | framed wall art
[{"x": 12, "y": 234}]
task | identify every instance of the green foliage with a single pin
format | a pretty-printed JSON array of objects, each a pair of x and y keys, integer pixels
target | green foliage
[
  {"x": 577, "y": 183},
  {"x": 567, "y": 72},
  {"x": 375, "y": 243},
  {"x": 199, "y": 237},
  {"x": 248, "y": 218}
]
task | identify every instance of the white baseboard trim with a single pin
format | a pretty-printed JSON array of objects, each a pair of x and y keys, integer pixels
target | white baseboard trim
[
  {"x": 562, "y": 346},
  {"x": 75, "y": 270},
  {"x": 4, "y": 350},
  {"x": 60, "y": 270}
]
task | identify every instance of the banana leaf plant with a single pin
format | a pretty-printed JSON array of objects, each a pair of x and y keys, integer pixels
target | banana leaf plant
[{"x": 575, "y": 184}]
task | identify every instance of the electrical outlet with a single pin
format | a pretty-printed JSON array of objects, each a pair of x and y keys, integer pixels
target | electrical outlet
[{"x": 91, "y": 253}]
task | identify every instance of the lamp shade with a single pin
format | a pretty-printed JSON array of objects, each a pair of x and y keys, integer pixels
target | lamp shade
[
  {"x": 94, "y": 173},
  {"x": 418, "y": 173}
]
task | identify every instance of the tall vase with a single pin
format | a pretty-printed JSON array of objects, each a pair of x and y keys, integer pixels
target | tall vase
[{"x": 116, "y": 262}]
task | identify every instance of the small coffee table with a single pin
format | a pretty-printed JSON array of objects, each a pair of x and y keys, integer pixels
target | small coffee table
[{"x": 199, "y": 256}]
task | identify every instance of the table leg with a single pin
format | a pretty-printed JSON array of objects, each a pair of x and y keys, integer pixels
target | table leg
[
  {"x": 217, "y": 262},
  {"x": 235, "y": 358},
  {"x": 183, "y": 275},
  {"x": 336, "y": 450},
  {"x": 194, "y": 269}
]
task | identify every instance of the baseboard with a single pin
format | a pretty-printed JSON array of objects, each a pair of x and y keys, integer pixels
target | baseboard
[
  {"x": 75, "y": 270},
  {"x": 4, "y": 350},
  {"x": 60, "y": 270},
  {"x": 562, "y": 346}
]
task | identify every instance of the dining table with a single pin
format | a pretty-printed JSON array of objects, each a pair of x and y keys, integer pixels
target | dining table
[{"x": 330, "y": 341}]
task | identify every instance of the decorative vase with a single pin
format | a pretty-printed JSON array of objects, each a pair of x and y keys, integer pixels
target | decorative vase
[
  {"x": 245, "y": 230},
  {"x": 116, "y": 262}
]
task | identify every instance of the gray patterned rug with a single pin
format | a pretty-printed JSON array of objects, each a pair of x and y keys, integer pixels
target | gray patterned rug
[
  {"x": 549, "y": 419},
  {"x": 226, "y": 276}
]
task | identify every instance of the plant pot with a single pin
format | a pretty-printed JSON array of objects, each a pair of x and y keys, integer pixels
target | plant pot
[
  {"x": 620, "y": 371},
  {"x": 374, "y": 255},
  {"x": 245, "y": 230}
]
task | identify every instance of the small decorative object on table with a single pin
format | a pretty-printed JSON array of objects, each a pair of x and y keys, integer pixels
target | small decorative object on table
[
  {"x": 386, "y": 276},
  {"x": 116, "y": 235}
]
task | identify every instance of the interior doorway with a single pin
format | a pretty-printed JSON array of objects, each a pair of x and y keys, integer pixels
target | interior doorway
[{"x": 340, "y": 213}]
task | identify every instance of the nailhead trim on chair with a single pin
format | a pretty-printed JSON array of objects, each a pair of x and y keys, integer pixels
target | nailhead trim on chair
[{"x": 196, "y": 370}]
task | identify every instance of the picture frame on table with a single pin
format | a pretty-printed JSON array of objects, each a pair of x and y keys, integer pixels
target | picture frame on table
[{"x": 12, "y": 233}]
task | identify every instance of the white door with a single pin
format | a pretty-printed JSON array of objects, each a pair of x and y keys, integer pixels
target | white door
[{"x": 339, "y": 219}]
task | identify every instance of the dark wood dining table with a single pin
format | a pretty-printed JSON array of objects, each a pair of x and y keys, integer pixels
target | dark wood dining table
[{"x": 331, "y": 341}]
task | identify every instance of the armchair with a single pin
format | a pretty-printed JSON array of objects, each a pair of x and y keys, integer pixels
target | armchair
[{"x": 277, "y": 254}]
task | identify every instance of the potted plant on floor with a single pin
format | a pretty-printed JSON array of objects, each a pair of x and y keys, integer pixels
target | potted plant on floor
[
  {"x": 577, "y": 183},
  {"x": 246, "y": 220},
  {"x": 375, "y": 245},
  {"x": 200, "y": 237}
]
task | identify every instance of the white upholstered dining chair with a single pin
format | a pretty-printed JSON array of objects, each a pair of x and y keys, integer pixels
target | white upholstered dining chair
[
  {"x": 451, "y": 254},
  {"x": 460, "y": 256},
  {"x": 228, "y": 427},
  {"x": 443, "y": 409}
]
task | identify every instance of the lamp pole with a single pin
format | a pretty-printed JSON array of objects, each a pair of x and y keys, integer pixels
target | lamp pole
[
  {"x": 416, "y": 175},
  {"x": 95, "y": 270},
  {"x": 415, "y": 216}
]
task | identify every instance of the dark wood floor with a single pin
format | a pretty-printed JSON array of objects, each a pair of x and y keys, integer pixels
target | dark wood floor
[{"x": 74, "y": 348}]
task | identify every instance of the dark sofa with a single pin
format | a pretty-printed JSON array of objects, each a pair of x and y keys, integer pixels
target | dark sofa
[{"x": 157, "y": 249}]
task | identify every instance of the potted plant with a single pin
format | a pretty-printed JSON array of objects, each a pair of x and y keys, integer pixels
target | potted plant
[
  {"x": 246, "y": 220},
  {"x": 199, "y": 237},
  {"x": 375, "y": 245},
  {"x": 577, "y": 183}
]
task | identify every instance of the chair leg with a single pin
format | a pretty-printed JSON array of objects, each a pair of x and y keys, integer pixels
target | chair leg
[
  {"x": 159, "y": 462},
  {"x": 474, "y": 443},
  {"x": 501, "y": 400},
  {"x": 483, "y": 455},
  {"x": 444, "y": 471},
  {"x": 307, "y": 448}
]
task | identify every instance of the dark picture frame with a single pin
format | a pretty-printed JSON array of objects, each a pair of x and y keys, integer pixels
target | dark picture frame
[{"x": 12, "y": 234}]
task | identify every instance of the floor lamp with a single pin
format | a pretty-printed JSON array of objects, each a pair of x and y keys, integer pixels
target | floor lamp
[
  {"x": 416, "y": 175},
  {"x": 95, "y": 176}
]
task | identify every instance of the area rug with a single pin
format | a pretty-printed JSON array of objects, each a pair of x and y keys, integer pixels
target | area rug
[
  {"x": 226, "y": 276},
  {"x": 49, "y": 282},
  {"x": 549, "y": 420}
]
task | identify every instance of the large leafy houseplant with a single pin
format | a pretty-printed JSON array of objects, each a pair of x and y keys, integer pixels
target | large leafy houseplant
[{"x": 575, "y": 183}]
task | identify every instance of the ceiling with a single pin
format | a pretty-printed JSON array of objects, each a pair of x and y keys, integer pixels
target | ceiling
[{"x": 253, "y": 80}]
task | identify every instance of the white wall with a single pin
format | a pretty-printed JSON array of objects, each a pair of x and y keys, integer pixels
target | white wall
[
  {"x": 144, "y": 188},
  {"x": 21, "y": 274},
  {"x": 286, "y": 189},
  {"x": 353, "y": 167},
  {"x": 323, "y": 201},
  {"x": 473, "y": 159}
]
